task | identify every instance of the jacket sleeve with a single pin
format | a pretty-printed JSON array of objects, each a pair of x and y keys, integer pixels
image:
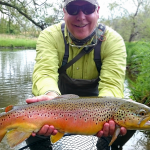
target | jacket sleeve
[
  {"x": 112, "y": 75},
  {"x": 45, "y": 74}
]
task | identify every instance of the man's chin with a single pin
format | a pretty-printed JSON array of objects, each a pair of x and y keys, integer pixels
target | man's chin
[{"x": 80, "y": 37}]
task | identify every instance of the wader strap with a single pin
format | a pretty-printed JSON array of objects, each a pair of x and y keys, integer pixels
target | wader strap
[
  {"x": 82, "y": 53},
  {"x": 97, "y": 50},
  {"x": 66, "y": 55}
]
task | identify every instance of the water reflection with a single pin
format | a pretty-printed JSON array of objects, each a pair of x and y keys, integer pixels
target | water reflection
[
  {"x": 15, "y": 76},
  {"x": 16, "y": 69}
]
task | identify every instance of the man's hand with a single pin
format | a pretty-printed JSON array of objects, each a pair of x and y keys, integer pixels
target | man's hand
[
  {"x": 49, "y": 96},
  {"x": 109, "y": 129},
  {"x": 46, "y": 130}
]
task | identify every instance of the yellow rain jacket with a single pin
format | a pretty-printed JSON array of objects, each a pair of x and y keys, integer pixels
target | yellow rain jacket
[{"x": 49, "y": 55}]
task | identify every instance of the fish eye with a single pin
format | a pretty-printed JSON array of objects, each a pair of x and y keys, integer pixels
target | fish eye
[{"x": 142, "y": 112}]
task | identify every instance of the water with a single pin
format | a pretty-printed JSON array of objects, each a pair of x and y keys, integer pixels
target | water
[
  {"x": 16, "y": 69},
  {"x": 15, "y": 76}
]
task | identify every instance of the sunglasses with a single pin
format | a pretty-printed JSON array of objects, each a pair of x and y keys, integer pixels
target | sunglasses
[{"x": 75, "y": 9}]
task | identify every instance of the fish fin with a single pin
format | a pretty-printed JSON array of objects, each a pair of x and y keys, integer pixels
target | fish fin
[
  {"x": 8, "y": 108},
  {"x": 2, "y": 134},
  {"x": 55, "y": 138},
  {"x": 115, "y": 135},
  {"x": 15, "y": 137},
  {"x": 67, "y": 96}
]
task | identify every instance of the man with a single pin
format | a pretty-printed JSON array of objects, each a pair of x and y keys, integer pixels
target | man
[{"x": 50, "y": 80}]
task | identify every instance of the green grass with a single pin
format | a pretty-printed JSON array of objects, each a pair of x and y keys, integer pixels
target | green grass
[
  {"x": 136, "y": 53},
  {"x": 138, "y": 60},
  {"x": 17, "y": 41}
]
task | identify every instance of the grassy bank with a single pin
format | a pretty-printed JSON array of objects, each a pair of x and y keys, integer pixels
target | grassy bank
[
  {"x": 138, "y": 60},
  {"x": 17, "y": 41}
]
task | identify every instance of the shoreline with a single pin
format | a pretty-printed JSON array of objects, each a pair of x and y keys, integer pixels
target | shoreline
[{"x": 15, "y": 47}]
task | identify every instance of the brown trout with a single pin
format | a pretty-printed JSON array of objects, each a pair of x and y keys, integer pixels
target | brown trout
[{"x": 75, "y": 115}]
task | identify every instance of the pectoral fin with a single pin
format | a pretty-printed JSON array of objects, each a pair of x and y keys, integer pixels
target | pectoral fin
[
  {"x": 2, "y": 134},
  {"x": 55, "y": 138},
  {"x": 15, "y": 137},
  {"x": 115, "y": 135}
]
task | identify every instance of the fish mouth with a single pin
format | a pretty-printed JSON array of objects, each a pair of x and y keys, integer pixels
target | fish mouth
[
  {"x": 147, "y": 123},
  {"x": 144, "y": 122}
]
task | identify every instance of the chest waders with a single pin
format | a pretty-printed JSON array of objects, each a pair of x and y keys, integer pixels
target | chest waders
[{"x": 80, "y": 87}]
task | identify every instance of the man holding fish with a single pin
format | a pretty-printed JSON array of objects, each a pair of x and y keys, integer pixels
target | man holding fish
[{"x": 98, "y": 69}]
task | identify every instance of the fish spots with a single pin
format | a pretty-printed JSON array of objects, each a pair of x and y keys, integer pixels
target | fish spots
[
  {"x": 85, "y": 120},
  {"x": 120, "y": 115}
]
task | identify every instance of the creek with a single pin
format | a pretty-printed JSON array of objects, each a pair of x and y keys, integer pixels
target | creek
[{"x": 16, "y": 69}]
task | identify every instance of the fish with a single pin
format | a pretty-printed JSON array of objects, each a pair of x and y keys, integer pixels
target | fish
[{"x": 74, "y": 115}]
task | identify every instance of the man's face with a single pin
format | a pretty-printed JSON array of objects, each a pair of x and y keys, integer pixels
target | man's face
[{"x": 81, "y": 25}]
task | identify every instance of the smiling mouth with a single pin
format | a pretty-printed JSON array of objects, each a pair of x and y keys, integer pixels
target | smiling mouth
[{"x": 80, "y": 26}]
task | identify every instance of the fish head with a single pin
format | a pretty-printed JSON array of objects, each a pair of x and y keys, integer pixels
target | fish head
[{"x": 133, "y": 116}]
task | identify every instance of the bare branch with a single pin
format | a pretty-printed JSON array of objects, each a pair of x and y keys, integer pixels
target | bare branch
[{"x": 24, "y": 14}]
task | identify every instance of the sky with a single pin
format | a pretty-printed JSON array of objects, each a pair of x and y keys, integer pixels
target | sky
[{"x": 127, "y": 4}]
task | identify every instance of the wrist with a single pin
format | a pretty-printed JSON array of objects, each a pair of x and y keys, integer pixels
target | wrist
[{"x": 52, "y": 93}]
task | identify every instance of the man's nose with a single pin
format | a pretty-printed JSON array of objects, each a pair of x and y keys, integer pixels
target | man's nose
[{"x": 81, "y": 15}]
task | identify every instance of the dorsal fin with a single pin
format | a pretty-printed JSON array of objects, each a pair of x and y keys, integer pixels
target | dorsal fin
[{"x": 8, "y": 108}]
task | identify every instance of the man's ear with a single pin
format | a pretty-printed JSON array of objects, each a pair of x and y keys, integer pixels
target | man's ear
[
  {"x": 98, "y": 8},
  {"x": 97, "y": 11},
  {"x": 64, "y": 10}
]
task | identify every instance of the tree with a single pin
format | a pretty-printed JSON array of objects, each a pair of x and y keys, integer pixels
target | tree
[
  {"x": 130, "y": 19},
  {"x": 33, "y": 10}
]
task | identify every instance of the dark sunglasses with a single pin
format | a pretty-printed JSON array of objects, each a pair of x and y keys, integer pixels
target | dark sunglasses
[{"x": 75, "y": 9}]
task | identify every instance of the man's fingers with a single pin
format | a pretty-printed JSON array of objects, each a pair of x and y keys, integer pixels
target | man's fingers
[
  {"x": 54, "y": 132},
  {"x": 50, "y": 130},
  {"x": 123, "y": 131},
  {"x": 39, "y": 98},
  {"x": 43, "y": 130},
  {"x": 47, "y": 130},
  {"x": 111, "y": 127},
  {"x": 31, "y": 100},
  {"x": 33, "y": 134},
  {"x": 99, "y": 134},
  {"x": 106, "y": 129}
]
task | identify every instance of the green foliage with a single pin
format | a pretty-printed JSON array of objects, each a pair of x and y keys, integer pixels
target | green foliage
[
  {"x": 6, "y": 26},
  {"x": 3, "y": 25},
  {"x": 139, "y": 59},
  {"x": 132, "y": 24},
  {"x": 25, "y": 12}
]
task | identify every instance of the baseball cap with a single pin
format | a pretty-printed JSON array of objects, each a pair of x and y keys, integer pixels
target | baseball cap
[{"x": 94, "y": 2}]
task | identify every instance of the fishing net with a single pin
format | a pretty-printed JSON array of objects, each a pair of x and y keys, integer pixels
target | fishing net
[
  {"x": 76, "y": 142},
  {"x": 70, "y": 142}
]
